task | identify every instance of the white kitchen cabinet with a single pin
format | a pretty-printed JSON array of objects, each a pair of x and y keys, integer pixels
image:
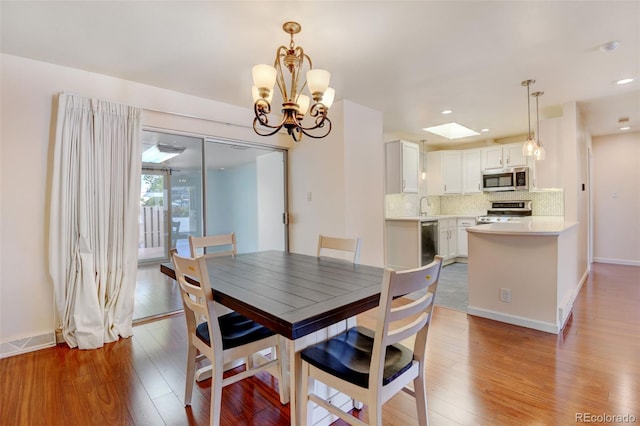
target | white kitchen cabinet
[
  {"x": 462, "y": 225},
  {"x": 512, "y": 155},
  {"x": 503, "y": 156},
  {"x": 471, "y": 171},
  {"x": 492, "y": 157},
  {"x": 402, "y": 165},
  {"x": 410, "y": 243},
  {"x": 447, "y": 240},
  {"x": 444, "y": 172},
  {"x": 546, "y": 173}
]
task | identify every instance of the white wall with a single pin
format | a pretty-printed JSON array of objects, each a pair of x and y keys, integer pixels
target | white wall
[
  {"x": 29, "y": 97},
  {"x": 575, "y": 172},
  {"x": 364, "y": 180},
  {"x": 339, "y": 185},
  {"x": 271, "y": 202},
  {"x": 29, "y": 94},
  {"x": 616, "y": 198}
]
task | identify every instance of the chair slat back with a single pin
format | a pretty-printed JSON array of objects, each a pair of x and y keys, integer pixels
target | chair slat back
[
  {"x": 195, "y": 297},
  {"x": 401, "y": 318},
  {"x": 351, "y": 245},
  {"x": 213, "y": 241}
]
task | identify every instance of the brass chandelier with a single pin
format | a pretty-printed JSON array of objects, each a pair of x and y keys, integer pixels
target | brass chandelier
[{"x": 294, "y": 104}]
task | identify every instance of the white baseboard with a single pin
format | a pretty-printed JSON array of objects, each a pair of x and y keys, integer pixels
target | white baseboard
[
  {"x": 27, "y": 344},
  {"x": 513, "y": 319},
  {"x": 617, "y": 261}
]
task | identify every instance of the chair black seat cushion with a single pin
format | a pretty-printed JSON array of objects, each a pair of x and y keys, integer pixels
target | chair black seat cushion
[
  {"x": 236, "y": 330},
  {"x": 348, "y": 356}
]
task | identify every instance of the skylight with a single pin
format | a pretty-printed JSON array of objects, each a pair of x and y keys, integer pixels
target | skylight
[
  {"x": 161, "y": 153},
  {"x": 451, "y": 130}
]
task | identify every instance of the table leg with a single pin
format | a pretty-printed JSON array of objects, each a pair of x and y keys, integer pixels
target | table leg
[
  {"x": 284, "y": 370},
  {"x": 295, "y": 367}
]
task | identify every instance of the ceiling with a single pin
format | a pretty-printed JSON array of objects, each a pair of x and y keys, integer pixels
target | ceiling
[{"x": 410, "y": 60}]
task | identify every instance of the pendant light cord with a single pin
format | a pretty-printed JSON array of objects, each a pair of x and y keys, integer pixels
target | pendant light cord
[
  {"x": 538, "y": 123},
  {"x": 529, "y": 110}
]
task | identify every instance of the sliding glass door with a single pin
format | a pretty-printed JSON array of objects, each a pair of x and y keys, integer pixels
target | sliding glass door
[
  {"x": 245, "y": 194},
  {"x": 242, "y": 190},
  {"x": 171, "y": 194}
]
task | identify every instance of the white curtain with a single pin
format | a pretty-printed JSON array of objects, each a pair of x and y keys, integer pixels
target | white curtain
[{"x": 93, "y": 238}]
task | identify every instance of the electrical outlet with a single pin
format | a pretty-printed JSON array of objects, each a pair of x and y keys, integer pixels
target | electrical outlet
[{"x": 505, "y": 295}]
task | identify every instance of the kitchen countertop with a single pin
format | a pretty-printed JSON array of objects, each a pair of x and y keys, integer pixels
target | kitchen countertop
[{"x": 536, "y": 225}]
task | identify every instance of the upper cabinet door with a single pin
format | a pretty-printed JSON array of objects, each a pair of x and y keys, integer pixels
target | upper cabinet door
[
  {"x": 492, "y": 158},
  {"x": 410, "y": 166},
  {"x": 512, "y": 155},
  {"x": 402, "y": 164},
  {"x": 444, "y": 172},
  {"x": 471, "y": 171},
  {"x": 452, "y": 172},
  {"x": 503, "y": 156}
]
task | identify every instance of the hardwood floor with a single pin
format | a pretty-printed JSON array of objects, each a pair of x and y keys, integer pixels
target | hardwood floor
[
  {"x": 156, "y": 294},
  {"x": 480, "y": 372}
]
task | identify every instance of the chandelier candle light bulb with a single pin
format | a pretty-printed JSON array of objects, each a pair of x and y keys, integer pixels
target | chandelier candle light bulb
[
  {"x": 328, "y": 97},
  {"x": 264, "y": 78},
  {"x": 295, "y": 105}
]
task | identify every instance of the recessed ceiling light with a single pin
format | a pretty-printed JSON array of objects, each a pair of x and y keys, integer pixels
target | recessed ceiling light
[
  {"x": 451, "y": 131},
  {"x": 447, "y": 111},
  {"x": 624, "y": 81},
  {"x": 625, "y": 128},
  {"x": 484, "y": 130},
  {"x": 610, "y": 46}
]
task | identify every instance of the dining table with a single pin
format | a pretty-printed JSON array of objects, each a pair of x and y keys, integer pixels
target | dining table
[{"x": 305, "y": 299}]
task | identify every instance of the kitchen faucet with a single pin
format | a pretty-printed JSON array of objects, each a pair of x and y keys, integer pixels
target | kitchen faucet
[{"x": 425, "y": 211}]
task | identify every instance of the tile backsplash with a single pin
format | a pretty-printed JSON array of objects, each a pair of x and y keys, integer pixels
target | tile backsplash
[{"x": 546, "y": 203}]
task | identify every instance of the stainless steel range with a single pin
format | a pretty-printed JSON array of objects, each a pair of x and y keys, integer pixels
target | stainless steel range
[{"x": 506, "y": 211}]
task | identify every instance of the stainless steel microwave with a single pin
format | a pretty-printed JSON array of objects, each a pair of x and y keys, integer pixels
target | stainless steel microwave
[{"x": 514, "y": 179}]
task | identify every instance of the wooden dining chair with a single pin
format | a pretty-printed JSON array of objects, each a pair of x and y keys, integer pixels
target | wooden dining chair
[
  {"x": 372, "y": 366},
  {"x": 214, "y": 246},
  {"x": 222, "y": 339},
  {"x": 222, "y": 245},
  {"x": 351, "y": 245}
]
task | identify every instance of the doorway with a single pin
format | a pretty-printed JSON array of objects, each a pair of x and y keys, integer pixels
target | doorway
[
  {"x": 154, "y": 216},
  {"x": 245, "y": 194},
  {"x": 242, "y": 190}
]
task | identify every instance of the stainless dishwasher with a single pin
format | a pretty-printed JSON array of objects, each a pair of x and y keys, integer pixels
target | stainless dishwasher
[{"x": 428, "y": 241}]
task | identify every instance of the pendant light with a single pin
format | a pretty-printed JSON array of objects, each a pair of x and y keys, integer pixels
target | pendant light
[
  {"x": 530, "y": 145},
  {"x": 539, "y": 154}
]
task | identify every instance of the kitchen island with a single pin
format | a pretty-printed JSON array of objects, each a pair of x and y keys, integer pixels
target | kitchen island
[{"x": 524, "y": 273}]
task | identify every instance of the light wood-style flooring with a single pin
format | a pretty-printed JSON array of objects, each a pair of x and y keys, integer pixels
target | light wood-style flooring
[{"x": 480, "y": 372}]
